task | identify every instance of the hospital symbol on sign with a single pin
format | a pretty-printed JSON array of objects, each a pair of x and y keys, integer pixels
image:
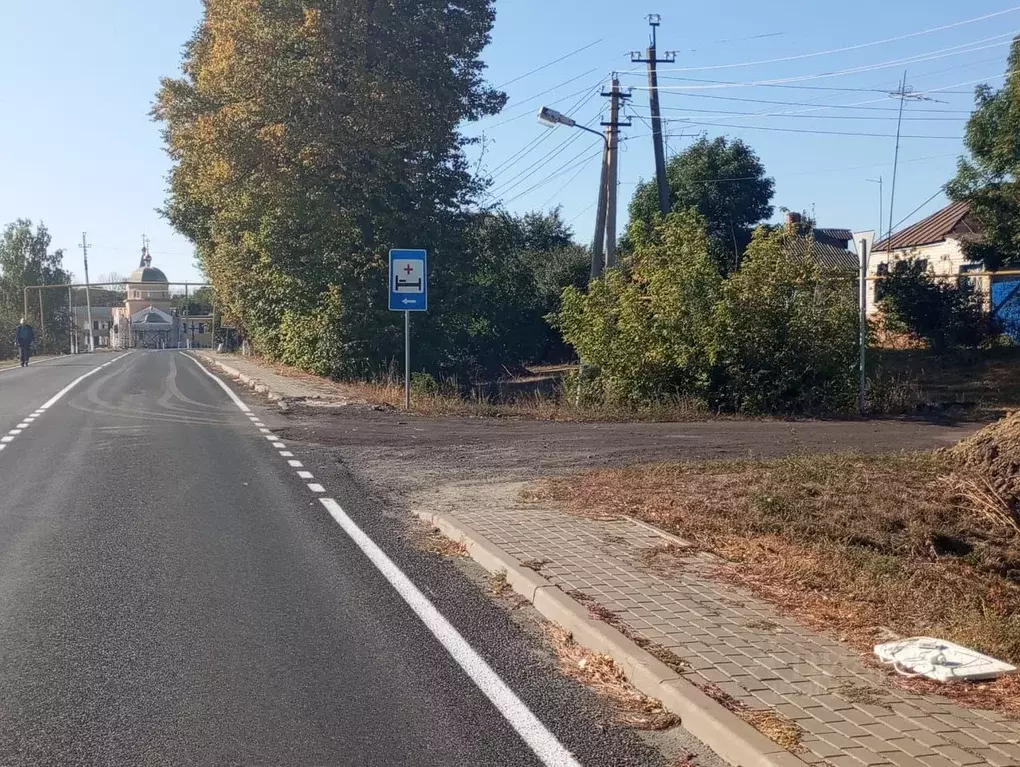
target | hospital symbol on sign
[{"x": 407, "y": 276}]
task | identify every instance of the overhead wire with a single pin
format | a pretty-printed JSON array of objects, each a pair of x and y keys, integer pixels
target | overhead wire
[
  {"x": 565, "y": 168},
  {"x": 803, "y": 116},
  {"x": 978, "y": 45},
  {"x": 844, "y": 49},
  {"x": 551, "y": 63},
  {"x": 584, "y": 166},
  {"x": 808, "y": 131},
  {"x": 534, "y": 143}
]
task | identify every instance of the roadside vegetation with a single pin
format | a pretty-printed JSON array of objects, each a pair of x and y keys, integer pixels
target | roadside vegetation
[{"x": 916, "y": 544}]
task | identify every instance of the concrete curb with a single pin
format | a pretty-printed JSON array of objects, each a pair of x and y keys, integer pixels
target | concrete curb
[
  {"x": 245, "y": 380},
  {"x": 720, "y": 729}
]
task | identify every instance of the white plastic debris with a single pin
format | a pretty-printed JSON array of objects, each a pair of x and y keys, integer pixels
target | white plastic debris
[{"x": 940, "y": 660}]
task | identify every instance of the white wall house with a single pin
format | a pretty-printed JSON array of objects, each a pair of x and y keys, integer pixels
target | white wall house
[{"x": 938, "y": 240}]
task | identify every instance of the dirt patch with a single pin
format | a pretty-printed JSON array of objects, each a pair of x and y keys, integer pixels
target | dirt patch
[
  {"x": 600, "y": 673},
  {"x": 430, "y": 539},
  {"x": 846, "y": 543}
]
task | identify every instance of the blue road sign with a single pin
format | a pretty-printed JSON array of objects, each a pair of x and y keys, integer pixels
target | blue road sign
[{"x": 409, "y": 285}]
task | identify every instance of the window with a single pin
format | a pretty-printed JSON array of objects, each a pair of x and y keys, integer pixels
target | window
[
  {"x": 883, "y": 271},
  {"x": 201, "y": 327},
  {"x": 95, "y": 324},
  {"x": 966, "y": 269}
]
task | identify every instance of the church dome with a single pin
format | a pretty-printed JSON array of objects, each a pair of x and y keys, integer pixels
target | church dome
[{"x": 147, "y": 274}]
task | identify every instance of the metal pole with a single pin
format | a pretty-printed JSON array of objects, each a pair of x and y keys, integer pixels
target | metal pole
[
  {"x": 88, "y": 298},
  {"x": 70, "y": 319},
  {"x": 864, "y": 322},
  {"x": 896, "y": 159},
  {"x": 42, "y": 320},
  {"x": 407, "y": 360}
]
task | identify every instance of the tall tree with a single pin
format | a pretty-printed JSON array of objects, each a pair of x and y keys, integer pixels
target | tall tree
[
  {"x": 722, "y": 180},
  {"x": 26, "y": 259},
  {"x": 309, "y": 136},
  {"x": 989, "y": 179}
]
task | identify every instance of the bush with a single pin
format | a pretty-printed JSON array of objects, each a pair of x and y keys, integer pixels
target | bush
[
  {"x": 775, "y": 336},
  {"x": 943, "y": 314},
  {"x": 786, "y": 336}
]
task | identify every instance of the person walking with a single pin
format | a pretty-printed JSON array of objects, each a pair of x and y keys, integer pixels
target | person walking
[{"x": 24, "y": 338}]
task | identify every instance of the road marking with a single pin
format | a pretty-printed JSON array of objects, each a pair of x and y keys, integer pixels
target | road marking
[
  {"x": 295, "y": 464},
  {"x": 13, "y": 434},
  {"x": 230, "y": 393},
  {"x": 306, "y": 475},
  {"x": 265, "y": 431},
  {"x": 541, "y": 741},
  {"x": 544, "y": 744},
  {"x": 286, "y": 454},
  {"x": 59, "y": 395}
]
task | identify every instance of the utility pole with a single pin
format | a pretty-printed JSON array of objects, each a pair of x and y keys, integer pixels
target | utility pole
[
  {"x": 88, "y": 298},
  {"x": 651, "y": 59},
  {"x": 616, "y": 98},
  {"x": 70, "y": 315},
  {"x": 598, "y": 247}
]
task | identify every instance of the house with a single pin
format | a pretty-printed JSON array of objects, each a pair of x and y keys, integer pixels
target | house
[
  {"x": 830, "y": 248},
  {"x": 100, "y": 327},
  {"x": 938, "y": 240}
]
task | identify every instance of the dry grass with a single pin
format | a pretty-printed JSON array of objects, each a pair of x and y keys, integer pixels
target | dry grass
[
  {"x": 498, "y": 584},
  {"x": 431, "y": 540},
  {"x": 663, "y": 654},
  {"x": 781, "y": 730},
  {"x": 601, "y": 674},
  {"x": 845, "y": 543}
]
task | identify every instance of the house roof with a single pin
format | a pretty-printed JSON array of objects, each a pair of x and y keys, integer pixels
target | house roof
[
  {"x": 844, "y": 235},
  {"x": 825, "y": 255},
  {"x": 936, "y": 228}
]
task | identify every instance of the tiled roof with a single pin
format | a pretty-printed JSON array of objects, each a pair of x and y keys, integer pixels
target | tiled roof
[
  {"x": 826, "y": 256},
  {"x": 843, "y": 235},
  {"x": 933, "y": 229}
]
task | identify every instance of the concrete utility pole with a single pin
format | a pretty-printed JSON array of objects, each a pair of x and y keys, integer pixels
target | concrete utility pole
[
  {"x": 651, "y": 59},
  {"x": 598, "y": 255},
  {"x": 616, "y": 99},
  {"x": 88, "y": 298}
]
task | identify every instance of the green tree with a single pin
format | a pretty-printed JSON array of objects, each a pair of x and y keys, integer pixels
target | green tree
[
  {"x": 785, "y": 337},
  {"x": 647, "y": 329},
  {"x": 944, "y": 314},
  {"x": 726, "y": 183},
  {"x": 26, "y": 259},
  {"x": 988, "y": 178},
  {"x": 309, "y": 137}
]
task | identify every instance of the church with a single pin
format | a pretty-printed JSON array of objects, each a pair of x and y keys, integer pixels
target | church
[{"x": 146, "y": 320}]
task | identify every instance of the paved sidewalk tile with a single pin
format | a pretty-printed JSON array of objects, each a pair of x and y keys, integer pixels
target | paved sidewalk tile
[
  {"x": 289, "y": 387},
  {"x": 730, "y": 639}
]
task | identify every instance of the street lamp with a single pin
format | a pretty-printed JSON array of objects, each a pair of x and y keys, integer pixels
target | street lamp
[{"x": 551, "y": 118}]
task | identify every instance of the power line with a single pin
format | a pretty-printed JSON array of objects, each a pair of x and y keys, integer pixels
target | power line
[
  {"x": 565, "y": 168},
  {"x": 1003, "y": 39},
  {"x": 810, "y": 117},
  {"x": 551, "y": 63},
  {"x": 809, "y": 104},
  {"x": 535, "y": 142},
  {"x": 844, "y": 49},
  {"x": 941, "y": 190},
  {"x": 807, "y": 131},
  {"x": 530, "y": 111},
  {"x": 584, "y": 166}
]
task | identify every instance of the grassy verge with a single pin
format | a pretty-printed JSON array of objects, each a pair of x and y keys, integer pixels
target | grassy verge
[{"x": 845, "y": 543}]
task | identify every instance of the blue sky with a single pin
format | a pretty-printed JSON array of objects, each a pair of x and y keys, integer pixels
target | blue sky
[{"x": 78, "y": 151}]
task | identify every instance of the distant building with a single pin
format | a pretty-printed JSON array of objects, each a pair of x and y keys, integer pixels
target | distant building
[
  {"x": 147, "y": 320},
  {"x": 830, "y": 248},
  {"x": 937, "y": 240}
]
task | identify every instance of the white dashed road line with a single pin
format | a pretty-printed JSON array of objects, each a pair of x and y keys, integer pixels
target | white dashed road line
[
  {"x": 16, "y": 432},
  {"x": 536, "y": 735}
]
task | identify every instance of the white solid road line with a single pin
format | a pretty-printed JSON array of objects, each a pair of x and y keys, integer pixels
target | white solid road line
[
  {"x": 237, "y": 400},
  {"x": 536, "y": 735},
  {"x": 544, "y": 744},
  {"x": 57, "y": 397}
]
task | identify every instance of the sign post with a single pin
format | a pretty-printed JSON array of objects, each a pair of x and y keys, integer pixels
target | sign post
[{"x": 408, "y": 293}]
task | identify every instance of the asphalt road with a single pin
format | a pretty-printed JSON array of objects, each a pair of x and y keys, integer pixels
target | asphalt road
[{"x": 173, "y": 592}]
